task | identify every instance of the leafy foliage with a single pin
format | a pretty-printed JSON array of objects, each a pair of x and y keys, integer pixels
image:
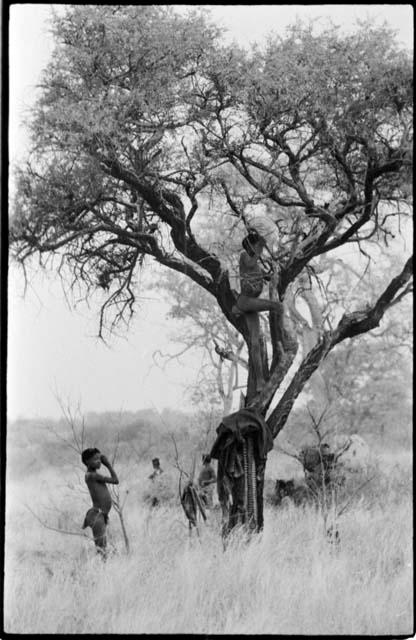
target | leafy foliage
[{"x": 145, "y": 115}]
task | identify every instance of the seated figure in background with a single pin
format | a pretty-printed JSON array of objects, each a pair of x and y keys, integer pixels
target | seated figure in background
[{"x": 157, "y": 470}]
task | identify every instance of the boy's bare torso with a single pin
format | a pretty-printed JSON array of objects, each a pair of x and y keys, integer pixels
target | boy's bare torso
[
  {"x": 251, "y": 275},
  {"x": 100, "y": 495}
]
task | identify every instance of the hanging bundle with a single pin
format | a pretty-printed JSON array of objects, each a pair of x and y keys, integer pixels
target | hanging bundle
[{"x": 241, "y": 448}]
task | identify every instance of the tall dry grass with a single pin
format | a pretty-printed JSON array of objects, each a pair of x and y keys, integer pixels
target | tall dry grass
[{"x": 287, "y": 580}]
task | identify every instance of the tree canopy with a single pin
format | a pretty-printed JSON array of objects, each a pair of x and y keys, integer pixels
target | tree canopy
[{"x": 149, "y": 128}]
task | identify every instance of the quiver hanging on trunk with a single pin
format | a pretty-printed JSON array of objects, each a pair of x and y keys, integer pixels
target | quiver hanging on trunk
[{"x": 241, "y": 448}]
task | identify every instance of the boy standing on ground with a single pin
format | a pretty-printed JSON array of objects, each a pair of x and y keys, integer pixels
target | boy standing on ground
[
  {"x": 97, "y": 516},
  {"x": 157, "y": 471}
]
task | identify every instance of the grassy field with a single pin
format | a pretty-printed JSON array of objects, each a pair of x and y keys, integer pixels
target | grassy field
[{"x": 287, "y": 580}]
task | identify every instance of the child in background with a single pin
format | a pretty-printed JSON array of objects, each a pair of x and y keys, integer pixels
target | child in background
[{"x": 97, "y": 516}]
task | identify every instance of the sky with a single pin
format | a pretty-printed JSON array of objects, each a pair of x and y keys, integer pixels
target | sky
[{"x": 52, "y": 349}]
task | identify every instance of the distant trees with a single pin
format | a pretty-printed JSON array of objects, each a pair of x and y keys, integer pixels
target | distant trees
[
  {"x": 197, "y": 325},
  {"x": 370, "y": 389},
  {"x": 366, "y": 390},
  {"x": 362, "y": 395}
]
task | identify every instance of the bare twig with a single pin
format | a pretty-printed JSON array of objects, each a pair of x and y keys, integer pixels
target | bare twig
[{"x": 57, "y": 529}]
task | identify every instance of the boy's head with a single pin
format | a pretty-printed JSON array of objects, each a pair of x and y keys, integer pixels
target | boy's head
[
  {"x": 156, "y": 462},
  {"x": 253, "y": 243},
  {"x": 91, "y": 458}
]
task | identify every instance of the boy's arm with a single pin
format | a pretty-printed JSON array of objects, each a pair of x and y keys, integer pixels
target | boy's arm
[
  {"x": 267, "y": 268},
  {"x": 97, "y": 477},
  {"x": 245, "y": 262},
  {"x": 106, "y": 463},
  {"x": 250, "y": 264}
]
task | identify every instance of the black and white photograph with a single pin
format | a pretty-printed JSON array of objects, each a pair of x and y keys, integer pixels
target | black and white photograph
[{"x": 208, "y": 335}]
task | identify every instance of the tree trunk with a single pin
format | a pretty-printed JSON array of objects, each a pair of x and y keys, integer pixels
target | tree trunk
[{"x": 246, "y": 491}]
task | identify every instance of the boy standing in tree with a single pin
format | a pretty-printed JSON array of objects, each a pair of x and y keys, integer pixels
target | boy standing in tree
[
  {"x": 97, "y": 516},
  {"x": 249, "y": 302}
]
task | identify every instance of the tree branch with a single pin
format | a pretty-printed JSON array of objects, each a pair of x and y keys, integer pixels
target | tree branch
[{"x": 350, "y": 325}]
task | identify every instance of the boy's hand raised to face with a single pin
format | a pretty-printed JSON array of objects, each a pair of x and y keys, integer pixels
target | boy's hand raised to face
[{"x": 104, "y": 460}]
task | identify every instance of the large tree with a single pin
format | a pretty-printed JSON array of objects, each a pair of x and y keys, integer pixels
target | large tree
[{"x": 148, "y": 123}]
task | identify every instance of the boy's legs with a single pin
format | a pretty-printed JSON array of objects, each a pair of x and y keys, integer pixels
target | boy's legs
[
  {"x": 99, "y": 532},
  {"x": 251, "y": 307},
  {"x": 253, "y": 323},
  {"x": 248, "y": 304}
]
